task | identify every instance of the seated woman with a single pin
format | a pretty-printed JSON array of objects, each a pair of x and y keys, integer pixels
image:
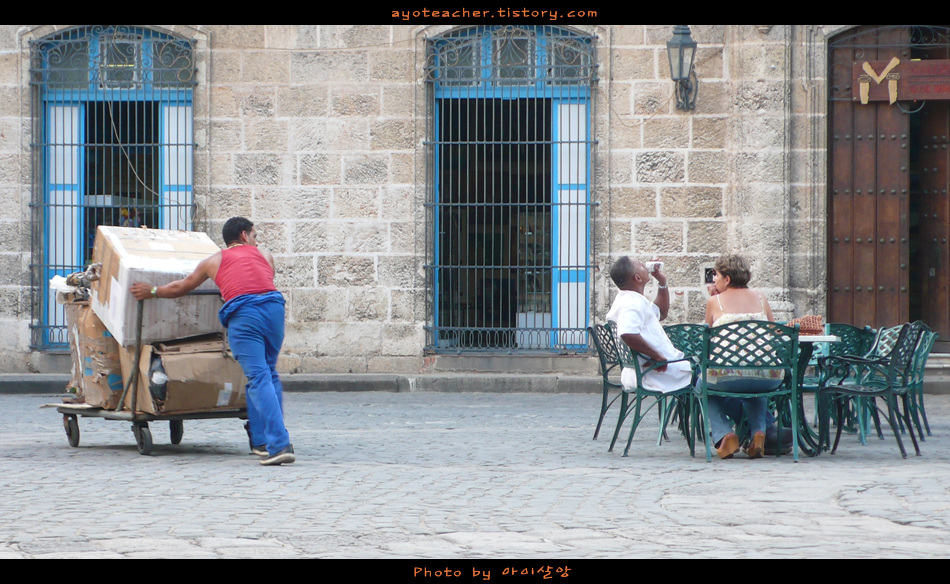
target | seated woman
[{"x": 731, "y": 301}]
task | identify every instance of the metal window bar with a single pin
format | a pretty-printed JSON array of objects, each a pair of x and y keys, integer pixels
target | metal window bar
[
  {"x": 508, "y": 182},
  {"x": 113, "y": 145}
]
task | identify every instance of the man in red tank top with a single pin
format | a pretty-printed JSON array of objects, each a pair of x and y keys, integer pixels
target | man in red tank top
[{"x": 253, "y": 313}]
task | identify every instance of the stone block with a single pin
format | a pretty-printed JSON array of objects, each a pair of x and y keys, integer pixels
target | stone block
[
  {"x": 621, "y": 167},
  {"x": 399, "y": 271},
  {"x": 258, "y": 169},
  {"x": 332, "y": 237},
  {"x": 402, "y": 339},
  {"x": 708, "y": 166},
  {"x": 760, "y": 166},
  {"x": 759, "y": 96},
  {"x": 708, "y": 63},
  {"x": 367, "y": 304},
  {"x": 355, "y": 203},
  {"x": 293, "y": 271},
  {"x": 666, "y": 132},
  {"x": 710, "y": 132},
  {"x": 268, "y": 135},
  {"x": 329, "y": 135},
  {"x": 653, "y": 237},
  {"x": 231, "y": 201},
  {"x": 634, "y": 63},
  {"x": 403, "y": 237},
  {"x": 316, "y": 305},
  {"x": 365, "y": 169},
  {"x": 361, "y": 101},
  {"x": 695, "y": 201},
  {"x": 320, "y": 169},
  {"x": 633, "y": 202},
  {"x": 265, "y": 67},
  {"x": 714, "y": 98},
  {"x": 650, "y": 98},
  {"x": 303, "y": 101},
  {"x": 392, "y": 66},
  {"x": 660, "y": 166},
  {"x": 346, "y": 270},
  {"x": 330, "y": 66},
  {"x": 705, "y": 236},
  {"x": 391, "y": 135},
  {"x": 628, "y": 135},
  {"x": 621, "y": 236}
]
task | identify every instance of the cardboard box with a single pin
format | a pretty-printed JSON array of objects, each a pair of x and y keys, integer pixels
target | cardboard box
[
  {"x": 202, "y": 376},
  {"x": 97, "y": 370},
  {"x": 155, "y": 256}
]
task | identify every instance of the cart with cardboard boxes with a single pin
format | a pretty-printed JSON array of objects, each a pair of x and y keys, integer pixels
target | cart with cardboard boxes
[{"x": 145, "y": 361}]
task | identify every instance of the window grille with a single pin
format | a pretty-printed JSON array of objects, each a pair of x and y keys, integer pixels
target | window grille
[
  {"x": 508, "y": 189},
  {"x": 113, "y": 126}
]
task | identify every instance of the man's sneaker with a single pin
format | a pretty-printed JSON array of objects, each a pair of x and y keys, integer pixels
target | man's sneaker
[
  {"x": 259, "y": 450},
  {"x": 285, "y": 456}
]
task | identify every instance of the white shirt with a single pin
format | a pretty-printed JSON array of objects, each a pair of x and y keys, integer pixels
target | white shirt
[{"x": 635, "y": 315}]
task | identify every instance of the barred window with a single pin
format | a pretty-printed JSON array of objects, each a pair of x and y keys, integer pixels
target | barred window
[
  {"x": 509, "y": 188},
  {"x": 113, "y": 115}
]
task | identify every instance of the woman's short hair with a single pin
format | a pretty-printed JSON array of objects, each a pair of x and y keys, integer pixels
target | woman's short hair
[{"x": 736, "y": 267}]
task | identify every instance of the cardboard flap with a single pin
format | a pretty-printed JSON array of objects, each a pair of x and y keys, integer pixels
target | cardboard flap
[
  {"x": 192, "y": 366},
  {"x": 201, "y": 344}
]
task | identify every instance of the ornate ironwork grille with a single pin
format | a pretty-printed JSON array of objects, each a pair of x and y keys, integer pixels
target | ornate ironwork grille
[
  {"x": 509, "y": 179},
  {"x": 113, "y": 127}
]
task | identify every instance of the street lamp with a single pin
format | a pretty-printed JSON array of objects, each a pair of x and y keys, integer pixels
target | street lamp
[{"x": 681, "y": 50}]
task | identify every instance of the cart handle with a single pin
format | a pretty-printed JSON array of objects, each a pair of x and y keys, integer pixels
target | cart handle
[{"x": 133, "y": 374}]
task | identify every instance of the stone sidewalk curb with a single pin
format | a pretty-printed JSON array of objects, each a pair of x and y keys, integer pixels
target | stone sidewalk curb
[{"x": 49, "y": 383}]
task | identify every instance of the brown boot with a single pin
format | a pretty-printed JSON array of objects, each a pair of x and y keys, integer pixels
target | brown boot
[
  {"x": 757, "y": 447},
  {"x": 728, "y": 446}
]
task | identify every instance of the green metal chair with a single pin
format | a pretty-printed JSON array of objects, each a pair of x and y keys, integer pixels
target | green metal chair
[
  {"x": 632, "y": 400},
  {"x": 751, "y": 345},
  {"x": 857, "y": 415},
  {"x": 846, "y": 378},
  {"x": 924, "y": 347},
  {"x": 855, "y": 341},
  {"x": 609, "y": 360},
  {"x": 688, "y": 338}
]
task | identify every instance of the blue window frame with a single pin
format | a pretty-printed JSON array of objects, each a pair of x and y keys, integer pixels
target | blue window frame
[
  {"x": 113, "y": 107},
  {"x": 509, "y": 189}
]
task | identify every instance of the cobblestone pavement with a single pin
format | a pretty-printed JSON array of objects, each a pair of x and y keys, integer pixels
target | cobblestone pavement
[{"x": 454, "y": 475}]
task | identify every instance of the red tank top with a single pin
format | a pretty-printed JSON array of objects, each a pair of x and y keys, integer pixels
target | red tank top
[{"x": 244, "y": 270}]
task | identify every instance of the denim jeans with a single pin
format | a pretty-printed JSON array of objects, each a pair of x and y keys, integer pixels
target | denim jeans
[
  {"x": 725, "y": 412},
  {"x": 255, "y": 326}
]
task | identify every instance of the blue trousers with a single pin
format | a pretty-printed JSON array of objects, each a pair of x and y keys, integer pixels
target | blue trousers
[
  {"x": 724, "y": 412},
  {"x": 255, "y": 326}
]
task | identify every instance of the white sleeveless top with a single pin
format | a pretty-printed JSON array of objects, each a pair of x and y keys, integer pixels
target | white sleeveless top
[{"x": 714, "y": 376}]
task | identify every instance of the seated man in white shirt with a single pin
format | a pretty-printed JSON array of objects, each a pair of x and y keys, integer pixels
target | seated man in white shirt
[{"x": 638, "y": 324}]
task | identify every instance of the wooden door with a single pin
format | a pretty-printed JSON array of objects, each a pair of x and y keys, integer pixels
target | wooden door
[
  {"x": 931, "y": 221},
  {"x": 869, "y": 184}
]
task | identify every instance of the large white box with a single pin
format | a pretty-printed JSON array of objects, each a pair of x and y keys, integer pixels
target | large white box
[{"x": 155, "y": 256}]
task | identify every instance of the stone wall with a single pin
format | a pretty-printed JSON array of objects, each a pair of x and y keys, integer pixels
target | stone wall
[
  {"x": 687, "y": 186},
  {"x": 316, "y": 134},
  {"x": 312, "y": 136}
]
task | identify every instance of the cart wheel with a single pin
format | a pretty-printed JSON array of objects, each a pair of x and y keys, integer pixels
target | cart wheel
[
  {"x": 143, "y": 438},
  {"x": 177, "y": 429},
  {"x": 72, "y": 430}
]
